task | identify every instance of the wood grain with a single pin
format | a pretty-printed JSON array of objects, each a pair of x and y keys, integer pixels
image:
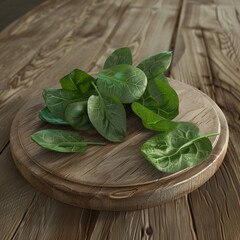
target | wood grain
[
  {"x": 38, "y": 61},
  {"x": 212, "y": 212},
  {"x": 15, "y": 194},
  {"x": 123, "y": 179},
  {"x": 208, "y": 43}
]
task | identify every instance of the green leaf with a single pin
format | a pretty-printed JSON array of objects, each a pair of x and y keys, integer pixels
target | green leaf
[
  {"x": 156, "y": 64},
  {"x": 161, "y": 98},
  {"x": 46, "y": 116},
  {"x": 151, "y": 120},
  {"x": 119, "y": 56},
  {"x": 61, "y": 141},
  {"x": 108, "y": 116},
  {"x": 77, "y": 80},
  {"x": 76, "y": 115},
  {"x": 126, "y": 82},
  {"x": 178, "y": 148},
  {"x": 57, "y": 100}
]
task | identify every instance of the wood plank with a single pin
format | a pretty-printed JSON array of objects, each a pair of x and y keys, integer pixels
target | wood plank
[
  {"x": 207, "y": 56},
  {"x": 16, "y": 196},
  {"x": 54, "y": 220}
]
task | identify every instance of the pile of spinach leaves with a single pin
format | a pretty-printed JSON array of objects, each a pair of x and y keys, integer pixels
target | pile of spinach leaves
[{"x": 85, "y": 102}]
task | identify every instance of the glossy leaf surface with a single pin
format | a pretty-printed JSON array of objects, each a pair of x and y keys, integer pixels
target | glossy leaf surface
[
  {"x": 77, "y": 80},
  {"x": 151, "y": 120},
  {"x": 59, "y": 140},
  {"x": 119, "y": 56},
  {"x": 161, "y": 98},
  {"x": 76, "y": 115},
  {"x": 178, "y": 148},
  {"x": 58, "y": 99},
  {"x": 156, "y": 64},
  {"x": 46, "y": 116},
  {"x": 126, "y": 82},
  {"x": 108, "y": 116}
]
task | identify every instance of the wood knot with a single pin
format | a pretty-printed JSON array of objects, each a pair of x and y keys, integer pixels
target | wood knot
[{"x": 149, "y": 231}]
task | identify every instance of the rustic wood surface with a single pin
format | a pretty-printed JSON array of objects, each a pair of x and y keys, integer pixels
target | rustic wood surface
[
  {"x": 51, "y": 40},
  {"x": 123, "y": 179}
]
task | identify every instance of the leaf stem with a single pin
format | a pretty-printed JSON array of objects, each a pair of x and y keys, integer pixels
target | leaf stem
[
  {"x": 94, "y": 85},
  {"x": 196, "y": 139}
]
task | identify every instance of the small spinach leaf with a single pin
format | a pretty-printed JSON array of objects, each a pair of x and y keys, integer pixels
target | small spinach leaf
[
  {"x": 76, "y": 115},
  {"x": 58, "y": 99},
  {"x": 61, "y": 141},
  {"x": 126, "y": 82},
  {"x": 161, "y": 98},
  {"x": 46, "y": 116},
  {"x": 119, "y": 56},
  {"x": 151, "y": 120},
  {"x": 156, "y": 64},
  {"x": 178, "y": 148},
  {"x": 77, "y": 80},
  {"x": 108, "y": 116}
]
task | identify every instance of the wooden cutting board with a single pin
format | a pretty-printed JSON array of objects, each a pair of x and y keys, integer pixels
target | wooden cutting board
[{"x": 116, "y": 176}]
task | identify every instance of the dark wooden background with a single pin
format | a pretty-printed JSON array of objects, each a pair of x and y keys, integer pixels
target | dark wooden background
[{"x": 10, "y": 10}]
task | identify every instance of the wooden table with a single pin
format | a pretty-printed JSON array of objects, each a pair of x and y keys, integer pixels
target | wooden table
[{"x": 58, "y": 36}]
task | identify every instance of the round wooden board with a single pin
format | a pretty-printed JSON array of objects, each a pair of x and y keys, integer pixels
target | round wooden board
[{"x": 116, "y": 176}]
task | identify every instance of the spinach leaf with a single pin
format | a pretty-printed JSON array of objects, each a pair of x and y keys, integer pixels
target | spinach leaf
[
  {"x": 108, "y": 116},
  {"x": 61, "y": 141},
  {"x": 46, "y": 116},
  {"x": 57, "y": 100},
  {"x": 161, "y": 98},
  {"x": 76, "y": 115},
  {"x": 119, "y": 56},
  {"x": 77, "y": 80},
  {"x": 156, "y": 64},
  {"x": 126, "y": 82},
  {"x": 178, "y": 148},
  {"x": 151, "y": 120}
]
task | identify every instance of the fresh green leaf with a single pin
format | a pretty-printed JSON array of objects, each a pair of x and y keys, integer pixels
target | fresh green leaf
[
  {"x": 161, "y": 98},
  {"x": 57, "y": 100},
  {"x": 178, "y": 148},
  {"x": 77, "y": 80},
  {"x": 46, "y": 116},
  {"x": 61, "y": 141},
  {"x": 156, "y": 64},
  {"x": 123, "y": 81},
  {"x": 151, "y": 120},
  {"x": 108, "y": 116},
  {"x": 119, "y": 56},
  {"x": 76, "y": 115}
]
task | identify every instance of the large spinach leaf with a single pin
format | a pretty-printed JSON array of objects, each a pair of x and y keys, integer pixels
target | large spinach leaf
[
  {"x": 161, "y": 98},
  {"x": 156, "y": 64},
  {"x": 126, "y": 82},
  {"x": 46, "y": 116},
  {"x": 77, "y": 80},
  {"x": 108, "y": 116},
  {"x": 76, "y": 115},
  {"x": 61, "y": 141},
  {"x": 58, "y": 99},
  {"x": 119, "y": 56},
  {"x": 178, "y": 148},
  {"x": 151, "y": 120}
]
